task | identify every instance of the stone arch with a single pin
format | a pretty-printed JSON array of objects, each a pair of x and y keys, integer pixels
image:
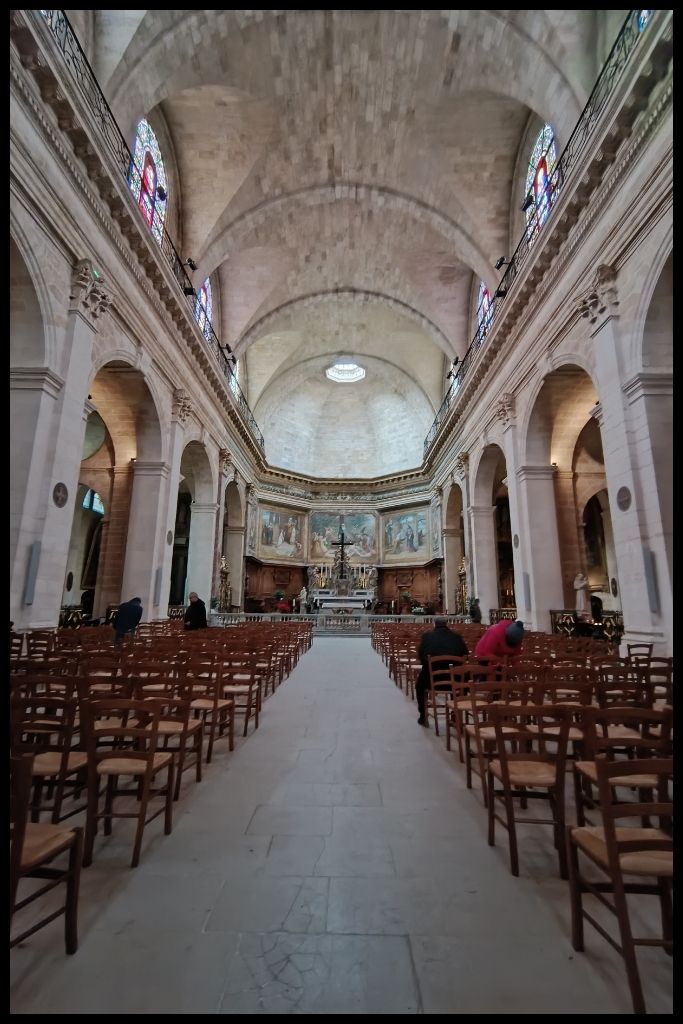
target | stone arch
[
  {"x": 233, "y": 546},
  {"x": 348, "y": 294},
  {"x": 493, "y": 574},
  {"x": 28, "y": 333},
  {"x": 556, "y": 414},
  {"x": 194, "y": 534},
  {"x": 657, "y": 335},
  {"x": 485, "y": 472},
  {"x": 454, "y": 550},
  {"x": 234, "y": 505}
]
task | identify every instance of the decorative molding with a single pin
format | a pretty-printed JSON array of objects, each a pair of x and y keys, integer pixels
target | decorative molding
[
  {"x": 182, "y": 405},
  {"x": 536, "y": 473},
  {"x": 36, "y": 378},
  {"x": 461, "y": 466},
  {"x": 159, "y": 469},
  {"x": 225, "y": 462},
  {"x": 648, "y": 383},
  {"x": 88, "y": 408},
  {"x": 88, "y": 295},
  {"x": 600, "y": 301},
  {"x": 598, "y": 414},
  {"x": 505, "y": 408}
]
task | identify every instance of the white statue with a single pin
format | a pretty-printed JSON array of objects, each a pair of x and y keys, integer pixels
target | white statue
[
  {"x": 581, "y": 595},
  {"x": 303, "y": 596}
]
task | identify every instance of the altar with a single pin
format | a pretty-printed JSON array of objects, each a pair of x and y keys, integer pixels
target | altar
[{"x": 341, "y": 588}]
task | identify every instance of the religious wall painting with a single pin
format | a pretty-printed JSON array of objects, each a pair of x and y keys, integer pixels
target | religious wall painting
[
  {"x": 360, "y": 536},
  {"x": 405, "y": 536},
  {"x": 252, "y": 529},
  {"x": 280, "y": 534},
  {"x": 435, "y": 523}
]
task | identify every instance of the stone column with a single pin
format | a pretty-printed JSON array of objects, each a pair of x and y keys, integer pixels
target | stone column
[
  {"x": 539, "y": 538},
  {"x": 483, "y": 525},
  {"x": 235, "y": 537},
  {"x": 113, "y": 545},
  {"x": 505, "y": 411},
  {"x": 226, "y": 473},
  {"x": 200, "y": 551},
  {"x": 453, "y": 555},
  {"x": 642, "y": 569},
  {"x": 461, "y": 475},
  {"x": 181, "y": 409},
  {"x": 143, "y": 547},
  {"x": 50, "y": 478}
]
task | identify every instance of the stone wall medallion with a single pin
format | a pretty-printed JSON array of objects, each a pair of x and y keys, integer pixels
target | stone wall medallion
[
  {"x": 60, "y": 495},
  {"x": 169, "y": 537},
  {"x": 515, "y": 540},
  {"x": 613, "y": 587},
  {"x": 624, "y": 498}
]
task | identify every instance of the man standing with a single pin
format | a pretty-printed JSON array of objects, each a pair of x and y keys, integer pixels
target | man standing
[
  {"x": 195, "y": 616},
  {"x": 126, "y": 619},
  {"x": 440, "y": 640}
]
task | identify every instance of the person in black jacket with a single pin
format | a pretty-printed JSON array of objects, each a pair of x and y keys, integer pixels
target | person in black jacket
[
  {"x": 126, "y": 619},
  {"x": 195, "y": 616},
  {"x": 440, "y": 640}
]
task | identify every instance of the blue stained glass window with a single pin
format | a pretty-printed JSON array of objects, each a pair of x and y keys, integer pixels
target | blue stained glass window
[
  {"x": 643, "y": 18},
  {"x": 203, "y": 308},
  {"x": 147, "y": 178},
  {"x": 93, "y": 502},
  {"x": 539, "y": 190}
]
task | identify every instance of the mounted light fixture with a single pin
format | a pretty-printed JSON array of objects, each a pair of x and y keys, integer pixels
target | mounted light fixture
[
  {"x": 189, "y": 290},
  {"x": 189, "y": 262},
  {"x": 500, "y": 293},
  {"x": 501, "y": 262},
  {"x": 162, "y": 194},
  {"x": 528, "y": 202}
]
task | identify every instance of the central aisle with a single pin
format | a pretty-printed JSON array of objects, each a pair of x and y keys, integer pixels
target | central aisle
[{"x": 335, "y": 863}]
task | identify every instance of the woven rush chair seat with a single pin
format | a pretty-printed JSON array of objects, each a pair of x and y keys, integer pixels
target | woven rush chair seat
[
  {"x": 42, "y": 842},
  {"x": 50, "y": 763},
  {"x": 115, "y": 766},
  {"x": 591, "y": 839},
  {"x": 588, "y": 769},
  {"x": 525, "y": 773}
]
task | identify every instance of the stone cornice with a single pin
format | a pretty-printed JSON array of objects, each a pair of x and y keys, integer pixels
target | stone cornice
[
  {"x": 36, "y": 378},
  {"x": 648, "y": 382},
  {"x": 536, "y": 472}
]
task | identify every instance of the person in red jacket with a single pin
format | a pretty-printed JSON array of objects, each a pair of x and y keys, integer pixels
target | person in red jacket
[{"x": 504, "y": 640}]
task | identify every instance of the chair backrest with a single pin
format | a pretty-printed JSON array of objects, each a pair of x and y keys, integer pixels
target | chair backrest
[
  {"x": 640, "y": 652},
  {"x": 638, "y": 840},
  {"x": 42, "y": 723},
  {"x": 37, "y": 683},
  {"x": 546, "y": 742},
  {"x": 648, "y": 731},
  {"x": 439, "y": 668},
  {"x": 132, "y": 726}
]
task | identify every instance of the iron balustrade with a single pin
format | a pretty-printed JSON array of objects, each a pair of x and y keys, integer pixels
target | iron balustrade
[
  {"x": 619, "y": 56},
  {"x": 83, "y": 75}
]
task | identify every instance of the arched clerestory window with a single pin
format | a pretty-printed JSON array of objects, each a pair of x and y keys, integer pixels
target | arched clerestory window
[
  {"x": 484, "y": 312},
  {"x": 147, "y": 179},
  {"x": 203, "y": 308},
  {"x": 540, "y": 190}
]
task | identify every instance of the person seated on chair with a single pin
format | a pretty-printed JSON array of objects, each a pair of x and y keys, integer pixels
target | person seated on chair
[
  {"x": 440, "y": 640},
  {"x": 195, "y": 616},
  {"x": 504, "y": 640},
  {"x": 126, "y": 619}
]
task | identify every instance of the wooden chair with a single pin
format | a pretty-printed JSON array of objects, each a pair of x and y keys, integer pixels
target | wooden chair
[
  {"x": 640, "y": 652},
  {"x": 132, "y": 726},
  {"x": 201, "y": 680},
  {"x": 241, "y": 683},
  {"x": 529, "y": 771},
  {"x": 33, "y": 847},
  {"x": 173, "y": 699},
  {"x": 43, "y": 726},
  {"x": 625, "y": 851},
  {"x": 485, "y": 690},
  {"x": 439, "y": 691}
]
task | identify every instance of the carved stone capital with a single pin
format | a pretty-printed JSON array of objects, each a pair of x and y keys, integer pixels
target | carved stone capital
[
  {"x": 251, "y": 495},
  {"x": 182, "y": 406},
  {"x": 505, "y": 408},
  {"x": 225, "y": 459},
  {"x": 88, "y": 294},
  {"x": 601, "y": 300},
  {"x": 461, "y": 465}
]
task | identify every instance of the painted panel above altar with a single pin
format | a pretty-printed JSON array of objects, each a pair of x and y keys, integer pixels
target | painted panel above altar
[
  {"x": 405, "y": 536},
  {"x": 360, "y": 533},
  {"x": 281, "y": 534}
]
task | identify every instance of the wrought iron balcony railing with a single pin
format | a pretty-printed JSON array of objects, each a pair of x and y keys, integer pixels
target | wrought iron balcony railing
[
  {"x": 83, "y": 76},
  {"x": 620, "y": 54}
]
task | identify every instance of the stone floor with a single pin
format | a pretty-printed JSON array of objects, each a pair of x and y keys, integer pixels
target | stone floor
[{"x": 335, "y": 863}]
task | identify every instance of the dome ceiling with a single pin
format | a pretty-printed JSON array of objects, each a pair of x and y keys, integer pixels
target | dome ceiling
[{"x": 347, "y": 177}]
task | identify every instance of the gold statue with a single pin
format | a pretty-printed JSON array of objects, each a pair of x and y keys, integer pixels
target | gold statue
[{"x": 224, "y": 588}]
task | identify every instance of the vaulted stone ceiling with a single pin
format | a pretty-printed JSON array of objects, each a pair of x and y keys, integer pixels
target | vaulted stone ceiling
[{"x": 347, "y": 178}]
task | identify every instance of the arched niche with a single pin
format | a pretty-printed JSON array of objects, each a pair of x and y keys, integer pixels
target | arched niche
[
  {"x": 489, "y": 503},
  {"x": 194, "y": 533},
  {"x": 454, "y": 552},
  {"x": 233, "y": 540}
]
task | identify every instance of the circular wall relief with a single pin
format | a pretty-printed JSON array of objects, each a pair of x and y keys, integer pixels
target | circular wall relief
[
  {"x": 613, "y": 587},
  {"x": 515, "y": 540},
  {"x": 623, "y": 498},
  {"x": 69, "y": 580},
  {"x": 169, "y": 537},
  {"x": 60, "y": 495}
]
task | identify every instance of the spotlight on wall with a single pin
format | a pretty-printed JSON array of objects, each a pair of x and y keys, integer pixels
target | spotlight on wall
[
  {"x": 189, "y": 262},
  {"x": 500, "y": 293},
  {"x": 162, "y": 194},
  {"x": 529, "y": 201},
  {"x": 501, "y": 262},
  {"x": 189, "y": 290}
]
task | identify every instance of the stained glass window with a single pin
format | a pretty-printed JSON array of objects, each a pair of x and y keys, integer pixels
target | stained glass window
[
  {"x": 147, "y": 178},
  {"x": 93, "y": 502},
  {"x": 643, "y": 18},
  {"x": 203, "y": 308},
  {"x": 484, "y": 312},
  {"x": 540, "y": 190}
]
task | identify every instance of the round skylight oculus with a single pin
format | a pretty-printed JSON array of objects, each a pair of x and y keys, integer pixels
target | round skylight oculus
[{"x": 345, "y": 372}]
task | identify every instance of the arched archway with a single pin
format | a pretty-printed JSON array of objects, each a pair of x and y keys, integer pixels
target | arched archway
[
  {"x": 560, "y": 412},
  {"x": 454, "y": 553},
  {"x": 490, "y": 517},
  {"x": 193, "y": 548},
  {"x": 127, "y": 471},
  {"x": 233, "y": 541}
]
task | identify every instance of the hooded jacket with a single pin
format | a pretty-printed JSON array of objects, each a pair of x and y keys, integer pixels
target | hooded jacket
[{"x": 493, "y": 643}]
